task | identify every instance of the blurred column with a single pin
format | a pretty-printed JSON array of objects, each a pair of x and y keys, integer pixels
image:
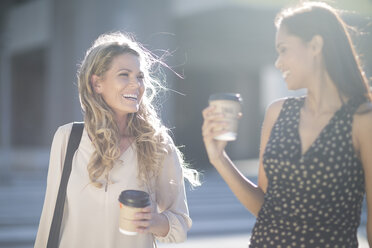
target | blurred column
[
  {"x": 5, "y": 101},
  {"x": 61, "y": 93},
  {"x": 5, "y": 94}
]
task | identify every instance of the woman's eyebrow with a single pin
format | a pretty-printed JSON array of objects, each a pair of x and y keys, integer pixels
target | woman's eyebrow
[{"x": 124, "y": 69}]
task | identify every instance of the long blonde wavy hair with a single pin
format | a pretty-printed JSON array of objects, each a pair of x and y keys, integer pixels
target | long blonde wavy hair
[{"x": 151, "y": 137}]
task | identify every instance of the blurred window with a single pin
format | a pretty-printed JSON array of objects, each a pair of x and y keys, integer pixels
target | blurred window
[{"x": 28, "y": 88}]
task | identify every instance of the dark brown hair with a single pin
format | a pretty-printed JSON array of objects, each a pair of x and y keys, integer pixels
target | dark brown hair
[{"x": 341, "y": 60}]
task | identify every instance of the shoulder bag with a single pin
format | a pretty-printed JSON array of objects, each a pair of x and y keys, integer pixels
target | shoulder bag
[{"x": 73, "y": 143}]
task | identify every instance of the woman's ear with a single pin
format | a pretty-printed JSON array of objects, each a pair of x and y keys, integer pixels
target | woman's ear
[
  {"x": 316, "y": 44},
  {"x": 96, "y": 84}
]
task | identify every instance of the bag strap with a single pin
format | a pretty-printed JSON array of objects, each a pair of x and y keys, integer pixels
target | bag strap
[{"x": 73, "y": 143}]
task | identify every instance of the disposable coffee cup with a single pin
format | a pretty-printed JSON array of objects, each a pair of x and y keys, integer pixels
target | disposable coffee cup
[
  {"x": 131, "y": 201},
  {"x": 230, "y": 105}
]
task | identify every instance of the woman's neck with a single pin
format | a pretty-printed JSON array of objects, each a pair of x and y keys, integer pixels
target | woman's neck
[
  {"x": 121, "y": 121},
  {"x": 322, "y": 96}
]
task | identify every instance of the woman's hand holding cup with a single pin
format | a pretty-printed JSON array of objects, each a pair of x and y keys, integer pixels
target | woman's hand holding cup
[
  {"x": 135, "y": 211},
  {"x": 220, "y": 123},
  {"x": 142, "y": 220},
  {"x": 213, "y": 126}
]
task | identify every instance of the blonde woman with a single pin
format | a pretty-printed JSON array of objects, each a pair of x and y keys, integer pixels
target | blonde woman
[{"x": 123, "y": 146}]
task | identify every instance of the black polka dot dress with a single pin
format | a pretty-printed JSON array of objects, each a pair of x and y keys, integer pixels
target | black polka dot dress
[{"x": 313, "y": 199}]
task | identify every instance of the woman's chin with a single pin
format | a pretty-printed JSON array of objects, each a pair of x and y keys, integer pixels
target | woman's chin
[
  {"x": 292, "y": 86},
  {"x": 289, "y": 86}
]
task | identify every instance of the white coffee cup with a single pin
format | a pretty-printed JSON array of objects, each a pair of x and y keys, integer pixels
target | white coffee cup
[{"x": 230, "y": 105}]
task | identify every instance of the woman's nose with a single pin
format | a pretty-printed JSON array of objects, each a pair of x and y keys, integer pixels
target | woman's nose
[
  {"x": 135, "y": 82},
  {"x": 277, "y": 63}
]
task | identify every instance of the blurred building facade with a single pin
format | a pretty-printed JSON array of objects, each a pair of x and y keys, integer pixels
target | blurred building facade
[{"x": 217, "y": 45}]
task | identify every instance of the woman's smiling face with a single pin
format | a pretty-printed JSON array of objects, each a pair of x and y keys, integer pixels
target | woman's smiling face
[
  {"x": 122, "y": 85},
  {"x": 295, "y": 59}
]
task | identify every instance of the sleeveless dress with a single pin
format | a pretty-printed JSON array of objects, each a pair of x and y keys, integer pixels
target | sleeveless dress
[{"x": 313, "y": 199}]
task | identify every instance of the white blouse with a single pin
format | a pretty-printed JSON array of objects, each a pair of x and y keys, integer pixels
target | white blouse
[{"x": 91, "y": 215}]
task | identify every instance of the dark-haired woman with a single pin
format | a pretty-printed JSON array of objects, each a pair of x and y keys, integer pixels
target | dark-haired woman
[{"x": 316, "y": 150}]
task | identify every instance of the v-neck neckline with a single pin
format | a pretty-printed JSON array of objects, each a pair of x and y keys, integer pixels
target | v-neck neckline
[
  {"x": 129, "y": 148},
  {"x": 322, "y": 131}
]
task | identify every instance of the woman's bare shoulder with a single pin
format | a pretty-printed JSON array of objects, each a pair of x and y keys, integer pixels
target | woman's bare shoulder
[{"x": 274, "y": 108}]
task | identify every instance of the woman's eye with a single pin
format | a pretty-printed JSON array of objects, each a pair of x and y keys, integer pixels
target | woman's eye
[
  {"x": 124, "y": 74},
  {"x": 141, "y": 77},
  {"x": 282, "y": 50}
]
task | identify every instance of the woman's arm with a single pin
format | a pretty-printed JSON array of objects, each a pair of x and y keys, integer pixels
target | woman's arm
[
  {"x": 362, "y": 130},
  {"x": 250, "y": 195},
  {"x": 171, "y": 222}
]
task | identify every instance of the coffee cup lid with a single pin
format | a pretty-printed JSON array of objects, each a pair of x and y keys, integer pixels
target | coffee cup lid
[
  {"x": 134, "y": 198},
  {"x": 226, "y": 96}
]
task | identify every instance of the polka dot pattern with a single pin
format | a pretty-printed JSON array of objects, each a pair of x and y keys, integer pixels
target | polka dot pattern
[{"x": 313, "y": 199}]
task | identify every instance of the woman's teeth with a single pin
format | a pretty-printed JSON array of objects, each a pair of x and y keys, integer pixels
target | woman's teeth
[
  {"x": 286, "y": 74},
  {"x": 130, "y": 97}
]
